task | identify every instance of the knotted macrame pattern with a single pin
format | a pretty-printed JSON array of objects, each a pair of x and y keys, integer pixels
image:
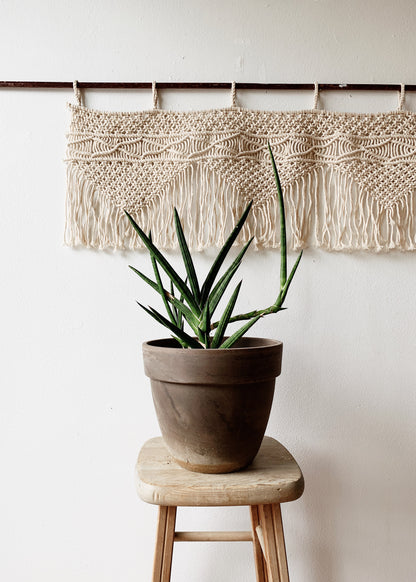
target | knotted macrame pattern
[{"x": 348, "y": 179}]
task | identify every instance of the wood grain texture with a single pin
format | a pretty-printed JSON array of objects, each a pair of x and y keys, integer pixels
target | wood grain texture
[
  {"x": 160, "y": 544},
  {"x": 258, "y": 545},
  {"x": 168, "y": 544},
  {"x": 280, "y": 543},
  {"x": 270, "y": 549},
  {"x": 273, "y": 477},
  {"x": 213, "y": 536}
]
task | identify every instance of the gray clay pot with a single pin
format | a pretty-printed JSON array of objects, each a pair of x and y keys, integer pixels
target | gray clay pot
[{"x": 213, "y": 405}]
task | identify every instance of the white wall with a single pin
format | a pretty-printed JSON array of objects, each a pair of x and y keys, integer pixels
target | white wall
[{"x": 75, "y": 406}]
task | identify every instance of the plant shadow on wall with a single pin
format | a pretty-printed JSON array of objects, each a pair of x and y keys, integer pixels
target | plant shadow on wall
[{"x": 219, "y": 425}]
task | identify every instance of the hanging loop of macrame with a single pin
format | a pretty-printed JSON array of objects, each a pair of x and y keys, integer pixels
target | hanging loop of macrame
[
  {"x": 402, "y": 96},
  {"x": 233, "y": 95},
  {"x": 155, "y": 96},
  {"x": 316, "y": 96},
  {"x": 77, "y": 93}
]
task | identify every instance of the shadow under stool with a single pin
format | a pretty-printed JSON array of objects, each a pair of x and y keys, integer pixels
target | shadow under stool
[{"x": 273, "y": 478}]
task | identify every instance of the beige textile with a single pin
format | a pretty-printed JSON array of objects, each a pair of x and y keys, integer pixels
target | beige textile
[{"x": 349, "y": 180}]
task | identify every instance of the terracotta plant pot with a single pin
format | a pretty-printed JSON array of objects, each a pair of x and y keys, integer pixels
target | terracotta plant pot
[{"x": 213, "y": 405}]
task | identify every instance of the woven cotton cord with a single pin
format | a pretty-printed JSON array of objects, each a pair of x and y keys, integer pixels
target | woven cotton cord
[
  {"x": 233, "y": 95},
  {"x": 402, "y": 96},
  {"x": 77, "y": 93},
  {"x": 154, "y": 95},
  {"x": 316, "y": 96}
]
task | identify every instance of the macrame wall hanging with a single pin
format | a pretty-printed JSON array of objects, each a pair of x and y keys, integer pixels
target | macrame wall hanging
[{"x": 349, "y": 180}]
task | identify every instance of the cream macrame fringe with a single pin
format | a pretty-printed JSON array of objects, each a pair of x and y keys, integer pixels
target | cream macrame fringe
[
  {"x": 324, "y": 208},
  {"x": 327, "y": 209},
  {"x": 92, "y": 220}
]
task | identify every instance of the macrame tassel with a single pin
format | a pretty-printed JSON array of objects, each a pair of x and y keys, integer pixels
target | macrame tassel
[
  {"x": 324, "y": 208},
  {"x": 327, "y": 209},
  {"x": 207, "y": 205},
  {"x": 91, "y": 220}
]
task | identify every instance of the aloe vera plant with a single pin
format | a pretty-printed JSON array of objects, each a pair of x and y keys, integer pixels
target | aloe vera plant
[{"x": 186, "y": 300}]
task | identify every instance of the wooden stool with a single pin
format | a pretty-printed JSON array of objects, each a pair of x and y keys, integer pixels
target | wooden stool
[{"x": 273, "y": 478}]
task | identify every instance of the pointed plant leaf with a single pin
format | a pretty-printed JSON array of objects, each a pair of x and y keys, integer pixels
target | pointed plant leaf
[
  {"x": 187, "y": 259},
  {"x": 161, "y": 289},
  {"x": 145, "y": 278},
  {"x": 189, "y": 340},
  {"x": 220, "y": 287},
  {"x": 185, "y": 311},
  {"x": 177, "y": 305},
  {"x": 239, "y": 333},
  {"x": 166, "y": 266},
  {"x": 204, "y": 323},
  {"x": 209, "y": 281},
  {"x": 180, "y": 342},
  {"x": 225, "y": 318},
  {"x": 175, "y": 311},
  {"x": 289, "y": 280},
  {"x": 283, "y": 247}
]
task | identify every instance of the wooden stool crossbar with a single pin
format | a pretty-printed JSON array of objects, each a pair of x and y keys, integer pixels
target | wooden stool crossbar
[{"x": 273, "y": 478}]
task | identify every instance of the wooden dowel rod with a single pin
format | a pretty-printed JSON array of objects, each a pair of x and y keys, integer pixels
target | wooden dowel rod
[
  {"x": 178, "y": 85},
  {"x": 213, "y": 536},
  {"x": 260, "y": 537}
]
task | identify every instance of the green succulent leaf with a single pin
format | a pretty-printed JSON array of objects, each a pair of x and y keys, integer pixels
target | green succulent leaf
[
  {"x": 225, "y": 318},
  {"x": 185, "y": 312},
  {"x": 209, "y": 281},
  {"x": 201, "y": 302},
  {"x": 177, "y": 305},
  {"x": 145, "y": 278},
  {"x": 204, "y": 324},
  {"x": 219, "y": 289},
  {"x": 175, "y": 311},
  {"x": 289, "y": 280},
  {"x": 162, "y": 290},
  {"x": 283, "y": 245},
  {"x": 180, "y": 342},
  {"x": 182, "y": 335},
  {"x": 187, "y": 259},
  {"x": 166, "y": 266},
  {"x": 239, "y": 333}
]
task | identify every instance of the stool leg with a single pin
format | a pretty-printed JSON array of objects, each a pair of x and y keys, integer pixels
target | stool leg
[
  {"x": 164, "y": 544},
  {"x": 270, "y": 518},
  {"x": 270, "y": 550},
  {"x": 280, "y": 542},
  {"x": 259, "y": 561}
]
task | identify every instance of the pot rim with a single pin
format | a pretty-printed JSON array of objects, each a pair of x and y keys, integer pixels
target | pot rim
[
  {"x": 164, "y": 344},
  {"x": 255, "y": 359}
]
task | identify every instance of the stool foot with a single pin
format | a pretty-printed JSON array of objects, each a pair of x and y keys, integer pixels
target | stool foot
[
  {"x": 164, "y": 544},
  {"x": 269, "y": 544}
]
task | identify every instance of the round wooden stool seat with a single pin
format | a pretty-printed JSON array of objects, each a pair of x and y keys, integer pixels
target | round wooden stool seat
[{"x": 273, "y": 478}]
